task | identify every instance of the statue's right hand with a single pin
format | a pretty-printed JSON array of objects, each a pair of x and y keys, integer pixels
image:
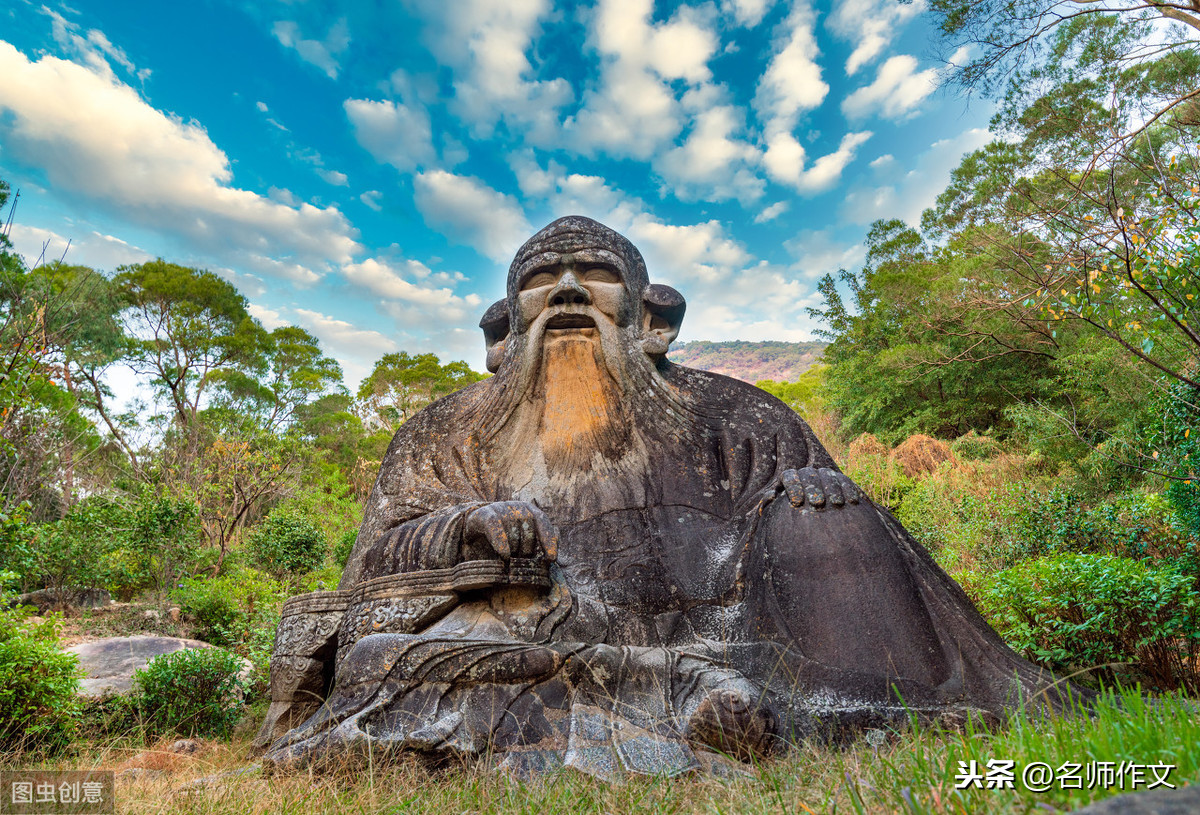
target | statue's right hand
[
  {"x": 513, "y": 529},
  {"x": 819, "y": 487}
]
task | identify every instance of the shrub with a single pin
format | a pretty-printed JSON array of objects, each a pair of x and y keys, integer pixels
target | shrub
[
  {"x": 975, "y": 447},
  {"x": 16, "y": 544},
  {"x": 882, "y": 479},
  {"x": 194, "y": 692},
  {"x": 165, "y": 538},
  {"x": 1076, "y": 610},
  {"x": 39, "y": 682},
  {"x": 230, "y": 608},
  {"x": 288, "y": 543},
  {"x": 344, "y": 546},
  {"x": 920, "y": 455}
]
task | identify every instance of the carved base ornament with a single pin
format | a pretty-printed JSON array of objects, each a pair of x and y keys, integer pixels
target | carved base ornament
[{"x": 601, "y": 560}]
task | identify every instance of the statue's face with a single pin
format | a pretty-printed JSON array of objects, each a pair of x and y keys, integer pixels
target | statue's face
[{"x": 571, "y": 291}]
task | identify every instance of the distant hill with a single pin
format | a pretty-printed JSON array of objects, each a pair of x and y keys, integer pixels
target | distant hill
[{"x": 750, "y": 361}]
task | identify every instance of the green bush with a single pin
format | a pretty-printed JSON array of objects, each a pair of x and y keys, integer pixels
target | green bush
[
  {"x": 230, "y": 608},
  {"x": 39, "y": 682},
  {"x": 16, "y": 545},
  {"x": 288, "y": 543},
  {"x": 1073, "y": 611},
  {"x": 344, "y": 546},
  {"x": 975, "y": 447},
  {"x": 194, "y": 692},
  {"x": 1133, "y": 524}
]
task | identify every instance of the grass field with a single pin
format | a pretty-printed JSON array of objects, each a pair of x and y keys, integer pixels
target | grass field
[{"x": 913, "y": 771}]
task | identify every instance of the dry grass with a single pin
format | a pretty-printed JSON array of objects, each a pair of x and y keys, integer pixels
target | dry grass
[
  {"x": 920, "y": 455},
  {"x": 119, "y": 620},
  {"x": 909, "y": 772}
]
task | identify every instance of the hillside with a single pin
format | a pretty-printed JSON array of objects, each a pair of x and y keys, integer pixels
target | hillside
[{"x": 750, "y": 361}]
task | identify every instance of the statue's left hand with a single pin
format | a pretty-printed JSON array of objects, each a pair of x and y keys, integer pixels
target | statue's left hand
[
  {"x": 513, "y": 529},
  {"x": 819, "y": 488}
]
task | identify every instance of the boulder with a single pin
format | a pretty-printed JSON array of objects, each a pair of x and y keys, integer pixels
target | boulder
[
  {"x": 1161, "y": 801},
  {"x": 110, "y": 663},
  {"x": 46, "y": 599}
]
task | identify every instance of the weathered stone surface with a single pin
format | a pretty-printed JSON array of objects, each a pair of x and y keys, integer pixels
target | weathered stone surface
[
  {"x": 1161, "y": 801},
  {"x": 601, "y": 560},
  {"x": 109, "y": 663},
  {"x": 185, "y": 747},
  {"x": 49, "y": 599}
]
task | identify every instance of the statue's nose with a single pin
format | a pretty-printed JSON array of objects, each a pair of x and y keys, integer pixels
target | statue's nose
[{"x": 569, "y": 292}]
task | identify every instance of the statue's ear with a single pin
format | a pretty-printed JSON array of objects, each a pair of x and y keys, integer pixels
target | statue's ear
[
  {"x": 664, "y": 314},
  {"x": 495, "y": 331}
]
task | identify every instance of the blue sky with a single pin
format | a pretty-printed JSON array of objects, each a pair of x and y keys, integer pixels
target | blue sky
[{"x": 366, "y": 170}]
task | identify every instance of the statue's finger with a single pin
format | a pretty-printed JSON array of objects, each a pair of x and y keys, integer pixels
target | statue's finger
[
  {"x": 833, "y": 487},
  {"x": 794, "y": 487},
  {"x": 814, "y": 493},
  {"x": 487, "y": 522},
  {"x": 546, "y": 532},
  {"x": 850, "y": 490}
]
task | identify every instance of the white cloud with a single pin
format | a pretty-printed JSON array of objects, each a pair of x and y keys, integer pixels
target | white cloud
[
  {"x": 269, "y": 318},
  {"x": 392, "y": 132},
  {"x": 334, "y": 177},
  {"x": 371, "y": 199},
  {"x": 634, "y": 111},
  {"x": 896, "y": 92},
  {"x": 343, "y": 335},
  {"x": 785, "y": 161},
  {"x": 388, "y": 281},
  {"x": 262, "y": 106},
  {"x": 870, "y": 26},
  {"x": 883, "y": 162},
  {"x": 712, "y": 163},
  {"x": 485, "y": 44},
  {"x": 909, "y": 195},
  {"x": 91, "y": 248},
  {"x": 792, "y": 82},
  {"x": 94, "y": 137},
  {"x": 322, "y": 53},
  {"x": 747, "y": 13},
  {"x": 772, "y": 212},
  {"x": 818, "y": 253},
  {"x": 469, "y": 211},
  {"x": 93, "y": 48}
]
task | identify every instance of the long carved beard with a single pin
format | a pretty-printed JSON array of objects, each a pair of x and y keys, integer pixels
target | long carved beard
[{"x": 585, "y": 422}]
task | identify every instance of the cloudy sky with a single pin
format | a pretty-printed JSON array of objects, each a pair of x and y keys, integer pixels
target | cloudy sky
[{"x": 366, "y": 170}]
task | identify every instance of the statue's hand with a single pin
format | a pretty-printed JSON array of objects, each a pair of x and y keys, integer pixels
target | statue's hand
[
  {"x": 513, "y": 529},
  {"x": 819, "y": 488}
]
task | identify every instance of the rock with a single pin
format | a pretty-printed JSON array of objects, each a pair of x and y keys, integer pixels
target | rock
[
  {"x": 1161, "y": 801},
  {"x": 174, "y": 613},
  {"x": 152, "y": 614},
  {"x": 186, "y": 747},
  {"x": 210, "y": 781},
  {"x": 46, "y": 599},
  {"x": 109, "y": 663}
]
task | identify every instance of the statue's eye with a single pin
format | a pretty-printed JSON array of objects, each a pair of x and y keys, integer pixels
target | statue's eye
[
  {"x": 538, "y": 279},
  {"x": 601, "y": 274}
]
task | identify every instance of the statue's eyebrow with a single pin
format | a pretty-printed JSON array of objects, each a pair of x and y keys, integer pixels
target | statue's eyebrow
[{"x": 545, "y": 262}]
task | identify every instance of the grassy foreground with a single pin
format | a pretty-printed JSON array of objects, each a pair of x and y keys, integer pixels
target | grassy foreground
[{"x": 912, "y": 771}]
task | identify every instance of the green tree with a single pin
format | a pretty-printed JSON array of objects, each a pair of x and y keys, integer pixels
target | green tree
[
  {"x": 400, "y": 385},
  {"x": 904, "y": 357},
  {"x": 192, "y": 329},
  {"x": 294, "y": 373}
]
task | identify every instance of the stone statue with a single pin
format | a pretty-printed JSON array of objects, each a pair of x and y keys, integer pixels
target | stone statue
[{"x": 599, "y": 559}]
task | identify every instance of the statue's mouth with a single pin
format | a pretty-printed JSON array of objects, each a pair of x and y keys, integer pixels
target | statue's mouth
[{"x": 569, "y": 322}]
